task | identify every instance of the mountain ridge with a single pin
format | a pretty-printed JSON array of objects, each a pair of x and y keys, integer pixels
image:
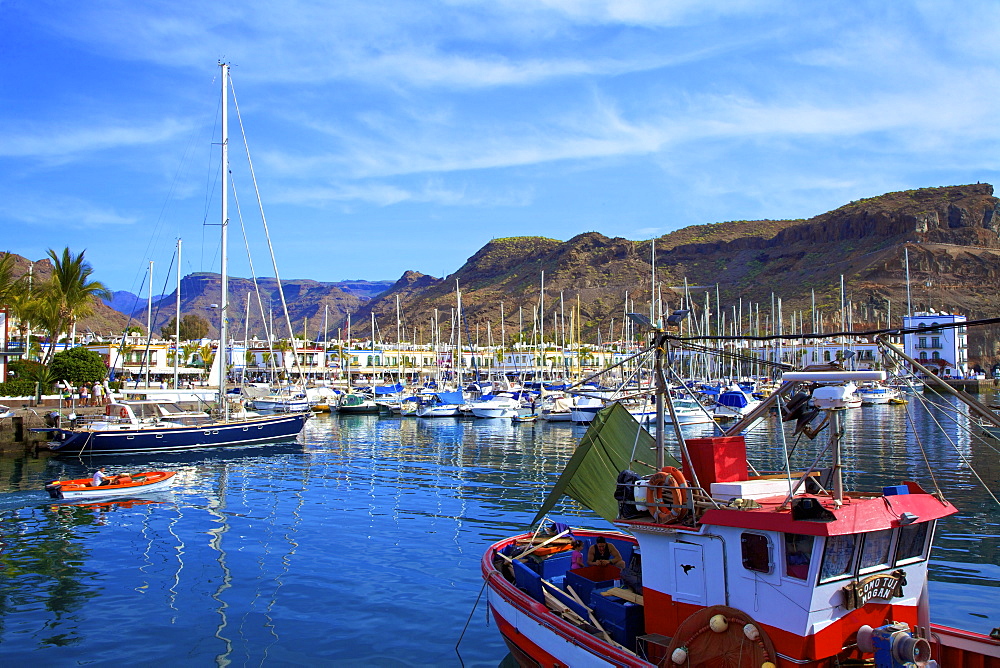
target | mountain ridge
[{"x": 950, "y": 233}]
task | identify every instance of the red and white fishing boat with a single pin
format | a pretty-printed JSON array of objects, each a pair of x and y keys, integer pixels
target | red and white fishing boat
[
  {"x": 118, "y": 485},
  {"x": 727, "y": 569}
]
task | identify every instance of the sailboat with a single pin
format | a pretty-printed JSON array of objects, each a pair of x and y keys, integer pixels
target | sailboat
[
  {"x": 713, "y": 566},
  {"x": 151, "y": 426}
]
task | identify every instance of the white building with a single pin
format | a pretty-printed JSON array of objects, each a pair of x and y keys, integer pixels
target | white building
[{"x": 944, "y": 349}]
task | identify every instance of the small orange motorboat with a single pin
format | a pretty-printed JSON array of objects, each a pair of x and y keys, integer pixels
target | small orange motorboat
[{"x": 118, "y": 485}]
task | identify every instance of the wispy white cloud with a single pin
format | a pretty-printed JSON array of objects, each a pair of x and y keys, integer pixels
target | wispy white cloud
[
  {"x": 403, "y": 110},
  {"x": 61, "y": 140},
  {"x": 61, "y": 212}
]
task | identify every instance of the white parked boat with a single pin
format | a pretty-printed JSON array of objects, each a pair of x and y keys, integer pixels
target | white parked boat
[
  {"x": 585, "y": 408},
  {"x": 872, "y": 395},
  {"x": 733, "y": 403},
  {"x": 496, "y": 406},
  {"x": 441, "y": 404},
  {"x": 287, "y": 400},
  {"x": 689, "y": 411},
  {"x": 557, "y": 409}
]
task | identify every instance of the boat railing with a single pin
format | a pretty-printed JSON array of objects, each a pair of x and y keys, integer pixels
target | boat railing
[
  {"x": 694, "y": 502},
  {"x": 89, "y": 420}
]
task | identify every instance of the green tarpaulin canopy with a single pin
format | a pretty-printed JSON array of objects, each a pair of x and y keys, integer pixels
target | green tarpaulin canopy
[{"x": 614, "y": 442}]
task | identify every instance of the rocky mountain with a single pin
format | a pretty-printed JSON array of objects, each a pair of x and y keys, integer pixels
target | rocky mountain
[
  {"x": 105, "y": 320},
  {"x": 124, "y": 301},
  {"x": 309, "y": 303},
  {"x": 950, "y": 233}
]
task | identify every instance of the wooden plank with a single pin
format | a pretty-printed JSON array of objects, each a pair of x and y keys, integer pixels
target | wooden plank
[
  {"x": 593, "y": 619},
  {"x": 542, "y": 544},
  {"x": 626, "y": 594}
]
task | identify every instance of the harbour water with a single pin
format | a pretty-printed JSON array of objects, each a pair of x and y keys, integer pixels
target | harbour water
[{"x": 360, "y": 543}]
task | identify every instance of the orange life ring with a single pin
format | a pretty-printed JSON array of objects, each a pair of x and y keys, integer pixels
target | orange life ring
[
  {"x": 668, "y": 512},
  {"x": 123, "y": 412}
]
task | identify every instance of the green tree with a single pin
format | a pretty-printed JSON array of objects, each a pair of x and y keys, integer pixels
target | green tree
[
  {"x": 187, "y": 350},
  {"x": 44, "y": 379},
  {"x": 193, "y": 328},
  {"x": 23, "y": 307},
  {"x": 10, "y": 285},
  {"x": 207, "y": 355},
  {"x": 79, "y": 365},
  {"x": 71, "y": 292}
]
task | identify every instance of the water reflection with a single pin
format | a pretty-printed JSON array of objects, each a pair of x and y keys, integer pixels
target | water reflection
[{"x": 305, "y": 552}]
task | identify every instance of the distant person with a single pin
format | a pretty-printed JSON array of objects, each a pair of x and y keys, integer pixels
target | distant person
[
  {"x": 100, "y": 478},
  {"x": 603, "y": 553},
  {"x": 84, "y": 395},
  {"x": 576, "y": 556},
  {"x": 98, "y": 395}
]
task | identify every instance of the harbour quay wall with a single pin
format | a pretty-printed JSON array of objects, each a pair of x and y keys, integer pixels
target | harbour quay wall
[{"x": 970, "y": 385}]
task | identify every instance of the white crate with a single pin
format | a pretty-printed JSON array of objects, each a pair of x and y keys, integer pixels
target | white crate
[{"x": 749, "y": 489}]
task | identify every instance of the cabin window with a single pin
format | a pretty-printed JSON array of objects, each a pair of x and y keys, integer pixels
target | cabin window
[
  {"x": 826, "y": 355},
  {"x": 756, "y": 552},
  {"x": 875, "y": 550},
  {"x": 912, "y": 542},
  {"x": 838, "y": 557},
  {"x": 798, "y": 555}
]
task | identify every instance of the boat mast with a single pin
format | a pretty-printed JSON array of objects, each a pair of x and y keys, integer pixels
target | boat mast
[
  {"x": 149, "y": 320},
  {"x": 177, "y": 322},
  {"x": 224, "y": 306}
]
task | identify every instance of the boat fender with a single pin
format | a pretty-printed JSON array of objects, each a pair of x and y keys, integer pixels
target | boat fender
[
  {"x": 679, "y": 656},
  {"x": 673, "y": 511},
  {"x": 718, "y": 623},
  {"x": 123, "y": 412},
  {"x": 107, "y": 409},
  {"x": 54, "y": 489},
  {"x": 751, "y": 632}
]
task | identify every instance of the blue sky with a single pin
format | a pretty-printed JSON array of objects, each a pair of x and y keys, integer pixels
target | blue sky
[{"x": 394, "y": 135}]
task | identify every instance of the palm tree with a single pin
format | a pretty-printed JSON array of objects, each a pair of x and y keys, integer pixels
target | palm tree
[
  {"x": 71, "y": 291},
  {"x": 187, "y": 350},
  {"x": 207, "y": 354},
  {"x": 24, "y": 309},
  {"x": 10, "y": 286}
]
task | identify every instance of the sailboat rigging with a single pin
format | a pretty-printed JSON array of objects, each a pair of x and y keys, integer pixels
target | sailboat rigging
[{"x": 153, "y": 425}]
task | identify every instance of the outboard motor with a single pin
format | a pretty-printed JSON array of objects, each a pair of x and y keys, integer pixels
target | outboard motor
[
  {"x": 54, "y": 489},
  {"x": 626, "y": 496},
  {"x": 52, "y": 419}
]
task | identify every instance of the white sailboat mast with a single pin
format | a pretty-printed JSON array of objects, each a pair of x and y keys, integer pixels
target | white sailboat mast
[
  {"x": 177, "y": 322},
  {"x": 224, "y": 306}
]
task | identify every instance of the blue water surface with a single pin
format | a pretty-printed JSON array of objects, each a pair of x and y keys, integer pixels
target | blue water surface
[{"x": 360, "y": 543}]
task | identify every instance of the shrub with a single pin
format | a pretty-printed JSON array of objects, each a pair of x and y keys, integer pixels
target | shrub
[
  {"x": 18, "y": 388},
  {"x": 78, "y": 365}
]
